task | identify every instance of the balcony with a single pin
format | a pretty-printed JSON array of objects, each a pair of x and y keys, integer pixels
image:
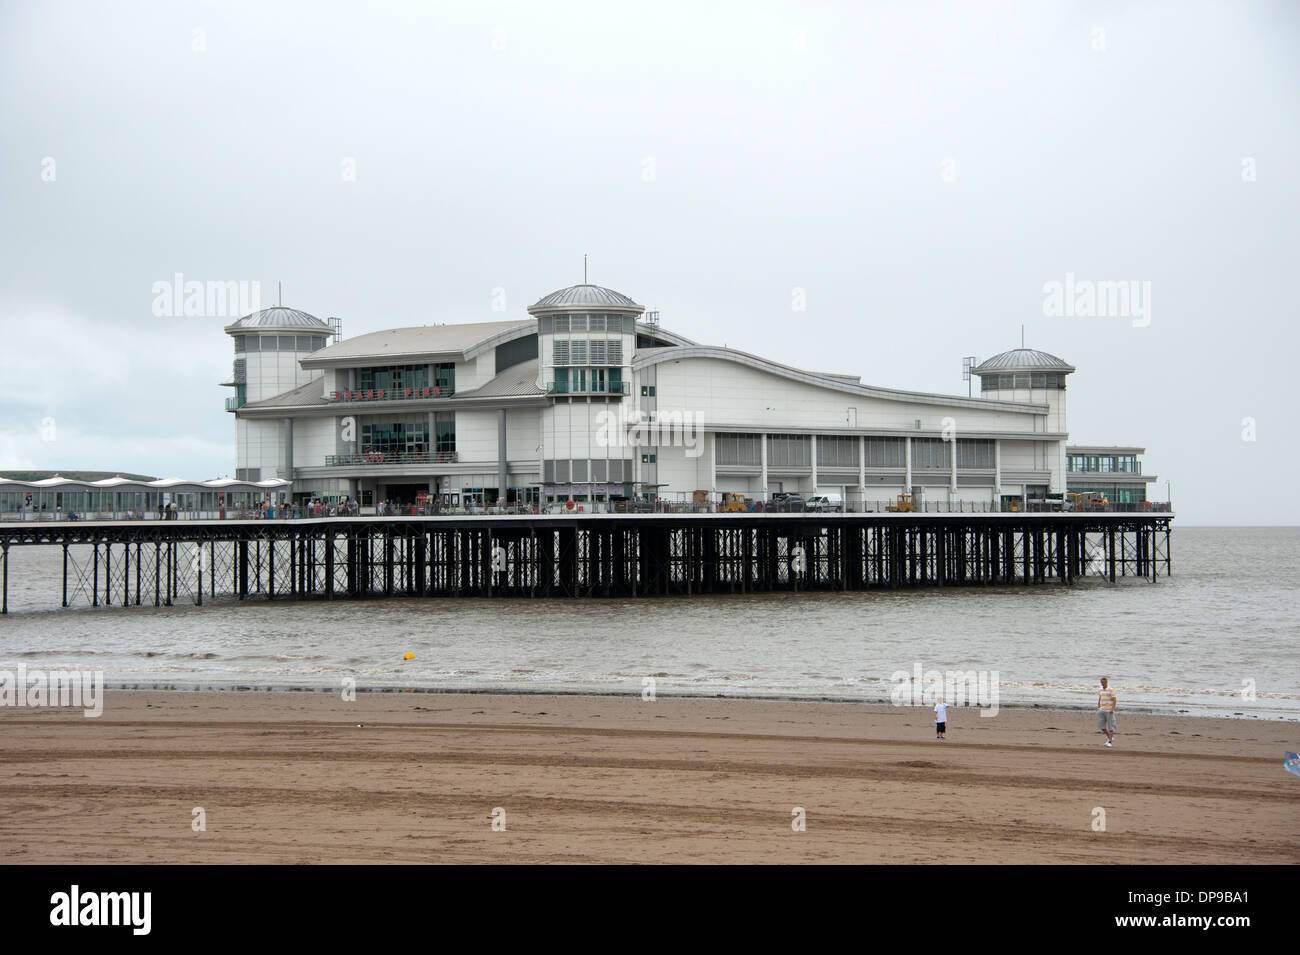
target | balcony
[
  {"x": 611, "y": 388},
  {"x": 378, "y": 458},
  {"x": 234, "y": 404},
  {"x": 393, "y": 394}
]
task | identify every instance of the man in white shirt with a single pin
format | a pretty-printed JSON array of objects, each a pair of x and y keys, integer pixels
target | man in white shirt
[{"x": 940, "y": 719}]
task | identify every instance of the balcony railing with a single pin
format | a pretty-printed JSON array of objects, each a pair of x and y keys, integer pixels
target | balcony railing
[
  {"x": 393, "y": 394},
  {"x": 376, "y": 458},
  {"x": 234, "y": 404},
  {"x": 612, "y": 388}
]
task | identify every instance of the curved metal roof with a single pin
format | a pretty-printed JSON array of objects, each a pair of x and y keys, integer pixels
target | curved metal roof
[
  {"x": 586, "y": 296},
  {"x": 1023, "y": 359},
  {"x": 278, "y": 316}
]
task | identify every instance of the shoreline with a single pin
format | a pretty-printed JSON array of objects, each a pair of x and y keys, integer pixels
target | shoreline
[{"x": 141, "y": 686}]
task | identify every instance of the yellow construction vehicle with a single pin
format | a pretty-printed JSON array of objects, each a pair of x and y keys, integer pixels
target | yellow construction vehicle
[
  {"x": 735, "y": 504},
  {"x": 905, "y": 503}
]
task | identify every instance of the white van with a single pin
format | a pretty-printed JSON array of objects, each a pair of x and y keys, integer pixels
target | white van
[{"x": 828, "y": 501}]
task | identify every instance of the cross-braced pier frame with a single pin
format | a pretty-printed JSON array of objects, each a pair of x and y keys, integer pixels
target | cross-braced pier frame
[{"x": 173, "y": 562}]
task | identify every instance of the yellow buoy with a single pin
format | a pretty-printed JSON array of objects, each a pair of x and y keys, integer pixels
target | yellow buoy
[{"x": 409, "y": 656}]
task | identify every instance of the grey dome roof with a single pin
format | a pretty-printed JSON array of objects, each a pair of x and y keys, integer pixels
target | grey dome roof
[
  {"x": 1023, "y": 359},
  {"x": 280, "y": 317},
  {"x": 586, "y": 296}
]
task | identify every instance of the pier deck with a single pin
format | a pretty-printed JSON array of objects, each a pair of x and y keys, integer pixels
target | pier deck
[{"x": 163, "y": 563}]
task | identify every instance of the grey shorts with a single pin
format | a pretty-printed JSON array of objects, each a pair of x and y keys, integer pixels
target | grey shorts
[{"x": 1106, "y": 720}]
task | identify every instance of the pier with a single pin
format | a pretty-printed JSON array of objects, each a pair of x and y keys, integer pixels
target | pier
[{"x": 169, "y": 563}]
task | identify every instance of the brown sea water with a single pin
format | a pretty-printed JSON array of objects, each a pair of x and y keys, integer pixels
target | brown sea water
[{"x": 1229, "y": 615}]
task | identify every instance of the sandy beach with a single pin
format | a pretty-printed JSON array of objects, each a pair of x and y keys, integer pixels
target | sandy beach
[{"x": 300, "y": 777}]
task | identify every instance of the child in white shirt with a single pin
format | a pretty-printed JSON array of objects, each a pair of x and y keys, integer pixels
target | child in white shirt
[{"x": 940, "y": 719}]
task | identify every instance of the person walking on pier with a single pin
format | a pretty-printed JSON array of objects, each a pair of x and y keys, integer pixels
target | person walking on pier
[{"x": 1106, "y": 712}]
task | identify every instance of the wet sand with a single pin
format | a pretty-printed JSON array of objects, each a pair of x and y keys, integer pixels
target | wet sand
[{"x": 287, "y": 777}]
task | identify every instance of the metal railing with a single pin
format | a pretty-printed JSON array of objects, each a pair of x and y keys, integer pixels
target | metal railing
[
  {"x": 611, "y": 388},
  {"x": 376, "y": 458},
  {"x": 393, "y": 394},
  {"x": 305, "y": 511},
  {"x": 797, "y": 505},
  {"x": 234, "y": 404}
]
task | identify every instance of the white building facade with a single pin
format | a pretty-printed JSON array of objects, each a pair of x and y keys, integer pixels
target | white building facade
[{"x": 587, "y": 401}]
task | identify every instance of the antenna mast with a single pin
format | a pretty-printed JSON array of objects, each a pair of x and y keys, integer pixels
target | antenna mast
[{"x": 584, "y": 268}]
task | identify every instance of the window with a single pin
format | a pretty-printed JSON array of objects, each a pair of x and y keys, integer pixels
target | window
[
  {"x": 974, "y": 453},
  {"x": 648, "y": 459},
  {"x": 561, "y": 354},
  {"x": 577, "y": 323},
  {"x": 647, "y": 391},
  {"x": 788, "y": 451},
  {"x": 561, "y": 323},
  {"x": 614, "y": 351},
  {"x": 445, "y": 424},
  {"x": 395, "y": 438},
  {"x": 597, "y": 352},
  {"x": 739, "y": 450},
  {"x": 389, "y": 378},
  {"x": 837, "y": 451},
  {"x": 596, "y": 323},
  {"x": 886, "y": 453},
  {"x": 931, "y": 453}
]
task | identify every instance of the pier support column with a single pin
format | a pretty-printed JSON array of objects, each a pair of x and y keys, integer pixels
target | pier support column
[{"x": 501, "y": 457}]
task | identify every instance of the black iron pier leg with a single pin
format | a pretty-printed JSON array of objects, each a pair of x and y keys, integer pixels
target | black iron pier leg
[
  {"x": 421, "y": 559},
  {"x": 328, "y": 544},
  {"x": 568, "y": 561},
  {"x": 65, "y": 576}
]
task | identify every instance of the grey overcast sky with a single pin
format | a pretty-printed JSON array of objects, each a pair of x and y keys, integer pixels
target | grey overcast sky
[{"x": 920, "y": 170}]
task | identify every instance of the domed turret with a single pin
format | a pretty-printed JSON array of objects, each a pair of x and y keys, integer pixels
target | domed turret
[
  {"x": 585, "y": 338},
  {"x": 1021, "y": 370},
  {"x": 268, "y": 346}
]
